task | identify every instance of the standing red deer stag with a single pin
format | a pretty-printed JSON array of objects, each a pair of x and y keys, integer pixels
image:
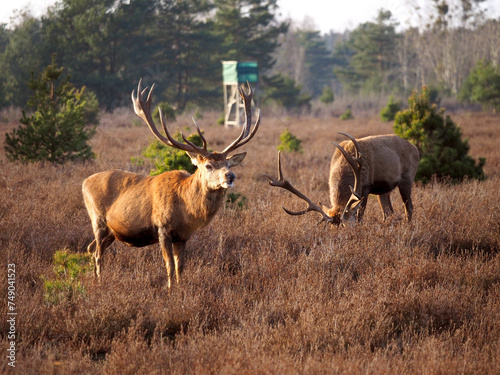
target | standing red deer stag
[
  {"x": 142, "y": 210},
  {"x": 371, "y": 165}
]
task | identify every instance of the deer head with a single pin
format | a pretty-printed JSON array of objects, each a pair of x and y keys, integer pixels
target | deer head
[
  {"x": 213, "y": 167},
  {"x": 284, "y": 184},
  {"x": 352, "y": 205}
]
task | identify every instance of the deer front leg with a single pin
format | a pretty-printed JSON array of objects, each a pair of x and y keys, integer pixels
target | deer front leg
[
  {"x": 385, "y": 204},
  {"x": 179, "y": 256},
  {"x": 166, "y": 249},
  {"x": 362, "y": 207}
]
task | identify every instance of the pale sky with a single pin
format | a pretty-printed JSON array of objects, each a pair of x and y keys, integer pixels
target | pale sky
[
  {"x": 339, "y": 15},
  {"x": 325, "y": 15}
]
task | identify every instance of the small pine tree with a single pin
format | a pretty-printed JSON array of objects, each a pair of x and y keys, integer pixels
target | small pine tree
[
  {"x": 66, "y": 285},
  {"x": 483, "y": 86},
  {"x": 167, "y": 110},
  {"x": 443, "y": 152},
  {"x": 289, "y": 142},
  {"x": 327, "y": 96},
  {"x": 388, "y": 113},
  {"x": 166, "y": 158},
  {"x": 347, "y": 115},
  {"x": 56, "y": 131}
]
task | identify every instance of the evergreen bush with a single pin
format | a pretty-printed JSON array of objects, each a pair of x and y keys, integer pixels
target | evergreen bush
[
  {"x": 327, "y": 96},
  {"x": 443, "y": 153},
  {"x": 289, "y": 142},
  {"x": 483, "y": 86},
  {"x": 166, "y": 158},
  {"x": 236, "y": 201},
  {"x": 66, "y": 283},
  {"x": 167, "y": 110},
  {"x": 388, "y": 113},
  {"x": 57, "y": 130},
  {"x": 347, "y": 115}
]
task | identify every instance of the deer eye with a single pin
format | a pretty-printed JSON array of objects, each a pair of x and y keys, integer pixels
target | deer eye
[{"x": 209, "y": 167}]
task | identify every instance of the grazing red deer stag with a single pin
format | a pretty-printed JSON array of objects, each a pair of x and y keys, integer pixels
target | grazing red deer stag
[
  {"x": 142, "y": 210},
  {"x": 371, "y": 165}
]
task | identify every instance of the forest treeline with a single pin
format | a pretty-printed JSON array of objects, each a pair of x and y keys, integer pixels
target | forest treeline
[{"x": 107, "y": 45}]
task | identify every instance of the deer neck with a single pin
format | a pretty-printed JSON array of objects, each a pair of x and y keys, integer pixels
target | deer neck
[
  {"x": 340, "y": 190},
  {"x": 201, "y": 202}
]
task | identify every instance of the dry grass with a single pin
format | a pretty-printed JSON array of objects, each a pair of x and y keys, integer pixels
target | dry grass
[{"x": 263, "y": 292}]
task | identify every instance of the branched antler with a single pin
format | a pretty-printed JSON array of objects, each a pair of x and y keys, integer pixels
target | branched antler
[
  {"x": 245, "y": 134},
  {"x": 143, "y": 109},
  {"x": 284, "y": 184},
  {"x": 355, "y": 163}
]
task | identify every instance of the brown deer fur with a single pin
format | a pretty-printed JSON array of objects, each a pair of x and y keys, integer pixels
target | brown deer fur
[
  {"x": 142, "y": 210},
  {"x": 372, "y": 165},
  {"x": 387, "y": 162}
]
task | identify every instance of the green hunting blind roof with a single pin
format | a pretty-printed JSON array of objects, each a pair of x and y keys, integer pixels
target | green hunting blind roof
[{"x": 239, "y": 72}]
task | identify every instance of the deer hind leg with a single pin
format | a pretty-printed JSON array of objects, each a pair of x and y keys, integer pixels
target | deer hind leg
[
  {"x": 91, "y": 247},
  {"x": 166, "y": 249},
  {"x": 385, "y": 204},
  {"x": 405, "y": 191},
  {"x": 179, "y": 257},
  {"x": 102, "y": 241}
]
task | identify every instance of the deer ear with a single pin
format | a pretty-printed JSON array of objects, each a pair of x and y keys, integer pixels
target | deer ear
[
  {"x": 354, "y": 205},
  {"x": 325, "y": 208},
  {"x": 195, "y": 159},
  {"x": 236, "y": 159}
]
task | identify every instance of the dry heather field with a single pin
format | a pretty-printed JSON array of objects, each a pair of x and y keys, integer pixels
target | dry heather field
[{"x": 263, "y": 292}]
